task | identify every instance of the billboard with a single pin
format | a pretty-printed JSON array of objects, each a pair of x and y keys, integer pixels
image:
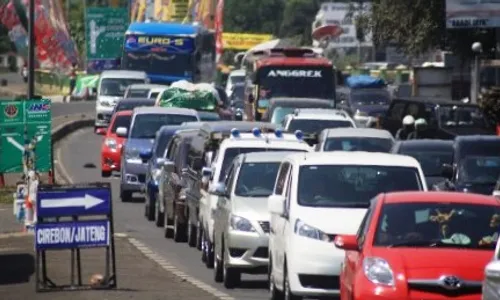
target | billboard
[
  {"x": 472, "y": 14},
  {"x": 243, "y": 41}
]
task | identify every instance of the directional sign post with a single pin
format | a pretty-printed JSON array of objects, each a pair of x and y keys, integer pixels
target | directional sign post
[{"x": 74, "y": 217}]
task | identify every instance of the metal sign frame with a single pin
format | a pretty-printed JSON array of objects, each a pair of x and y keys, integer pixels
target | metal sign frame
[{"x": 63, "y": 223}]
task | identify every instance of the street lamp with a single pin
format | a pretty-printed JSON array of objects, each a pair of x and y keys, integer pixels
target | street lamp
[{"x": 477, "y": 48}]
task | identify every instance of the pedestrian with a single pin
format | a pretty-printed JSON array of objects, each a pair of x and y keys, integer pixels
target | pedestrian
[
  {"x": 407, "y": 128},
  {"x": 72, "y": 79}
]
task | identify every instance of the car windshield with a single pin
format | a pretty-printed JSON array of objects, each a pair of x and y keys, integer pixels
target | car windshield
[
  {"x": 238, "y": 93},
  {"x": 137, "y": 93},
  {"x": 116, "y": 87},
  {"x": 368, "y": 144},
  {"x": 235, "y": 79},
  {"x": 231, "y": 153},
  {"x": 145, "y": 126},
  {"x": 162, "y": 142},
  {"x": 315, "y": 126},
  {"x": 455, "y": 116},
  {"x": 370, "y": 97},
  {"x": 479, "y": 169},
  {"x": 280, "y": 113},
  {"x": 206, "y": 116},
  {"x": 431, "y": 161},
  {"x": 437, "y": 225},
  {"x": 351, "y": 185},
  {"x": 130, "y": 105},
  {"x": 256, "y": 179},
  {"x": 121, "y": 121}
]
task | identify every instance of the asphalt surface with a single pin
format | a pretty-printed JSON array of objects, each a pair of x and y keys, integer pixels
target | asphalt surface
[
  {"x": 80, "y": 156},
  {"x": 62, "y": 109}
]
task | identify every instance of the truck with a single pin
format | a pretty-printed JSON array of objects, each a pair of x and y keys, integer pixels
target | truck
[
  {"x": 170, "y": 52},
  {"x": 287, "y": 72}
]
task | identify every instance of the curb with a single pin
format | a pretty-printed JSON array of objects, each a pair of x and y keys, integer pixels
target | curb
[{"x": 67, "y": 128}]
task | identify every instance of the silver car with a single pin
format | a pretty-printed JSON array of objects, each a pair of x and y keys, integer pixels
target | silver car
[{"x": 241, "y": 226}]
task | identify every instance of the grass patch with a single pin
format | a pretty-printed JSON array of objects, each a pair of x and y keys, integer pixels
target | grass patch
[{"x": 6, "y": 194}]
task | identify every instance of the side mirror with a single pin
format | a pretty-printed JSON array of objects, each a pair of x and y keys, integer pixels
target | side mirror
[
  {"x": 197, "y": 164},
  {"x": 101, "y": 131},
  {"x": 121, "y": 131},
  {"x": 145, "y": 155},
  {"x": 496, "y": 194},
  {"x": 347, "y": 242},
  {"x": 276, "y": 204},
  {"x": 492, "y": 270},
  {"x": 206, "y": 172},
  {"x": 160, "y": 161},
  {"x": 168, "y": 166},
  {"x": 218, "y": 190},
  {"x": 447, "y": 171}
]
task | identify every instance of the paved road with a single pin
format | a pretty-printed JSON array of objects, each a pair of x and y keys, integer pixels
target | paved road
[
  {"x": 61, "y": 109},
  {"x": 79, "y": 153}
]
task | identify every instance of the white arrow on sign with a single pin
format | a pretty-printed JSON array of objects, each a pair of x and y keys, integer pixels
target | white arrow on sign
[
  {"x": 15, "y": 143},
  {"x": 87, "y": 201}
]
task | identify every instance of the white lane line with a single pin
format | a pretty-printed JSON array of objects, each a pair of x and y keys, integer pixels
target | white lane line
[
  {"x": 62, "y": 168},
  {"x": 169, "y": 267}
]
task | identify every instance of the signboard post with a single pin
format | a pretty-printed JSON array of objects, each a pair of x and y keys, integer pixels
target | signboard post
[
  {"x": 104, "y": 33},
  {"x": 63, "y": 223},
  {"x": 25, "y": 136}
]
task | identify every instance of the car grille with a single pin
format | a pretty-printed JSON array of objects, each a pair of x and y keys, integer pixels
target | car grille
[
  {"x": 261, "y": 252},
  {"x": 264, "y": 225},
  {"x": 327, "y": 282},
  {"x": 141, "y": 178}
]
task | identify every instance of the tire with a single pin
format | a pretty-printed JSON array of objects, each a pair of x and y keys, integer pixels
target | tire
[
  {"x": 218, "y": 271},
  {"x": 159, "y": 216},
  {"x": 126, "y": 196},
  {"x": 199, "y": 236},
  {"x": 202, "y": 246},
  {"x": 231, "y": 276},
  {"x": 169, "y": 232},
  {"x": 150, "y": 210},
  {"x": 105, "y": 174},
  {"x": 288, "y": 295},
  {"x": 179, "y": 231},
  {"x": 209, "y": 252},
  {"x": 191, "y": 234},
  {"x": 274, "y": 293}
]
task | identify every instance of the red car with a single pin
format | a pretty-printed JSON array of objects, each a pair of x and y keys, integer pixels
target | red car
[
  {"x": 112, "y": 144},
  {"x": 421, "y": 246}
]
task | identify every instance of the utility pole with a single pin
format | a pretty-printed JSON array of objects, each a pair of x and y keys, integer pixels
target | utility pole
[{"x": 31, "y": 50}]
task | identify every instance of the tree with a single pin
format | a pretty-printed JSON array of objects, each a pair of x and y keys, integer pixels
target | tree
[
  {"x": 76, "y": 25},
  {"x": 298, "y": 16},
  {"x": 253, "y": 16},
  {"x": 5, "y": 43},
  {"x": 490, "y": 104}
]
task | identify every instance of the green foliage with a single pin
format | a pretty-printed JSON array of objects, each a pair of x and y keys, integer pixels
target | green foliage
[
  {"x": 5, "y": 43},
  {"x": 253, "y": 16},
  {"x": 490, "y": 104},
  {"x": 77, "y": 25},
  {"x": 297, "y": 19}
]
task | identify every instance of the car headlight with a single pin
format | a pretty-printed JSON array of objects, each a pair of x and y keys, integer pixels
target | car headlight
[
  {"x": 111, "y": 143},
  {"x": 308, "y": 231},
  {"x": 361, "y": 113},
  {"x": 241, "y": 224},
  {"x": 105, "y": 103},
  {"x": 378, "y": 271}
]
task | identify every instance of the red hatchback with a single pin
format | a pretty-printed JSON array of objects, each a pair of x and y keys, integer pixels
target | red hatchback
[
  {"x": 420, "y": 245},
  {"x": 112, "y": 144}
]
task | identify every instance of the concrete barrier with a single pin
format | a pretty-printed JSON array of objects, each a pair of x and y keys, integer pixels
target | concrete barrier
[{"x": 67, "y": 128}]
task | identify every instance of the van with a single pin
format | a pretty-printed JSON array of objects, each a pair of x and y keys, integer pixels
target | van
[{"x": 111, "y": 87}]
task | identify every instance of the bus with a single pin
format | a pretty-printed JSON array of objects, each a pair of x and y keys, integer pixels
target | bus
[{"x": 170, "y": 52}]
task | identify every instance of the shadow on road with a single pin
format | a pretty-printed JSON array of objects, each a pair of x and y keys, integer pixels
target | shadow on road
[
  {"x": 253, "y": 284},
  {"x": 16, "y": 268}
]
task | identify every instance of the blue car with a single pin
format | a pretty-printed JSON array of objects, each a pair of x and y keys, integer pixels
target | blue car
[
  {"x": 156, "y": 159},
  {"x": 146, "y": 121}
]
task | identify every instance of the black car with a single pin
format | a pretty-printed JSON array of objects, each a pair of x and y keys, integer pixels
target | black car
[
  {"x": 476, "y": 165},
  {"x": 446, "y": 119},
  {"x": 432, "y": 155}
]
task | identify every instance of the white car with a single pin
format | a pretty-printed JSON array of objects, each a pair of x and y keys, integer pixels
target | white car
[
  {"x": 355, "y": 139},
  {"x": 110, "y": 88},
  {"x": 142, "y": 90},
  {"x": 318, "y": 196},
  {"x": 229, "y": 148},
  {"x": 491, "y": 284},
  {"x": 235, "y": 77},
  {"x": 314, "y": 120},
  {"x": 241, "y": 230}
]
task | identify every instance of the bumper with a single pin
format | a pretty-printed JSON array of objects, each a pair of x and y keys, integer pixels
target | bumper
[
  {"x": 247, "y": 250},
  {"x": 133, "y": 176},
  {"x": 110, "y": 160},
  {"x": 314, "y": 267},
  {"x": 103, "y": 115}
]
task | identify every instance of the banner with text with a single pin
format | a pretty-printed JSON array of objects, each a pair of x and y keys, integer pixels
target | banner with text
[
  {"x": 243, "y": 41},
  {"x": 472, "y": 14}
]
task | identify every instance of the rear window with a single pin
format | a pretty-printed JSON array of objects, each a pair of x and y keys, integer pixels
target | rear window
[
  {"x": 146, "y": 125},
  {"x": 137, "y": 93},
  {"x": 316, "y": 126},
  {"x": 431, "y": 161},
  {"x": 121, "y": 121},
  {"x": 130, "y": 105},
  {"x": 358, "y": 144}
]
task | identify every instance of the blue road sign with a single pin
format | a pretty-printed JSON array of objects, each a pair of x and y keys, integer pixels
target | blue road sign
[
  {"x": 73, "y": 201},
  {"x": 68, "y": 235}
]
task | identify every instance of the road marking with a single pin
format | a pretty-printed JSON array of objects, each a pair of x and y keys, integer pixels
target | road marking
[
  {"x": 62, "y": 168},
  {"x": 164, "y": 264}
]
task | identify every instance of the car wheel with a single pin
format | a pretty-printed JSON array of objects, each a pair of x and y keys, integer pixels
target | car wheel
[
  {"x": 150, "y": 211},
  {"x": 105, "y": 174},
  {"x": 232, "y": 276},
  {"x": 218, "y": 272},
  {"x": 209, "y": 249},
  {"x": 202, "y": 246},
  {"x": 126, "y": 196},
  {"x": 274, "y": 293},
  {"x": 288, "y": 295},
  {"x": 191, "y": 234},
  {"x": 179, "y": 230},
  {"x": 159, "y": 217},
  {"x": 199, "y": 236}
]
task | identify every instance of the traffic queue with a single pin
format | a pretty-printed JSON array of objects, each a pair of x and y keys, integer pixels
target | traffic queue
[{"x": 312, "y": 197}]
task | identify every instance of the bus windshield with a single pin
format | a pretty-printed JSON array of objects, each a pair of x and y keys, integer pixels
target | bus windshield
[{"x": 300, "y": 82}]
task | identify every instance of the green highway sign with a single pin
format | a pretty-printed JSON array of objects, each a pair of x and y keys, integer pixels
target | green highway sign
[
  {"x": 25, "y": 135},
  {"x": 104, "y": 32}
]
